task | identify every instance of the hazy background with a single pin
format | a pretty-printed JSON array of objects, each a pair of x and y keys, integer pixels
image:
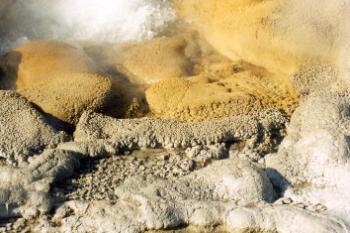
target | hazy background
[
  {"x": 97, "y": 20},
  {"x": 319, "y": 27}
]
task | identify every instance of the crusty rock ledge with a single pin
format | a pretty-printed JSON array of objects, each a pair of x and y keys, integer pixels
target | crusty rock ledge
[{"x": 98, "y": 135}]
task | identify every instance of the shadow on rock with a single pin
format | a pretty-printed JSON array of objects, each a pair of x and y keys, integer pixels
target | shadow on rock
[{"x": 280, "y": 183}]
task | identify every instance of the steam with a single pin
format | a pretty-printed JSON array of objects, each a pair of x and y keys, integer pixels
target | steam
[
  {"x": 319, "y": 27},
  {"x": 114, "y": 20},
  {"x": 93, "y": 20}
]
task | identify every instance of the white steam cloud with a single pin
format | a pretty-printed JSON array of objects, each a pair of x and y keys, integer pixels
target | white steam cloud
[
  {"x": 319, "y": 27},
  {"x": 96, "y": 20}
]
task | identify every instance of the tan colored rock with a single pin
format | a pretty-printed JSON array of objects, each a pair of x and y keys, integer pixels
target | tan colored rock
[
  {"x": 249, "y": 90},
  {"x": 154, "y": 60},
  {"x": 43, "y": 60},
  {"x": 61, "y": 79},
  {"x": 192, "y": 81},
  {"x": 265, "y": 33},
  {"x": 183, "y": 55},
  {"x": 70, "y": 95}
]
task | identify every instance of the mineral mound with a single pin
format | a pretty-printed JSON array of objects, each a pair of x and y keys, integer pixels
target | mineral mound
[{"x": 175, "y": 116}]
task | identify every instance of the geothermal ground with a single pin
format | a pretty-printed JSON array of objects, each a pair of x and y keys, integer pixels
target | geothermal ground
[{"x": 175, "y": 116}]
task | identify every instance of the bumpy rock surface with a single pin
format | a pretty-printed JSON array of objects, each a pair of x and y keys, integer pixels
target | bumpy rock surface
[
  {"x": 314, "y": 78},
  {"x": 40, "y": 61},
  {"x": 97, "y": 134},
  {"x": 231, "y": 191},
  {"x": 23, "y": 130},
  {"x": 247, "y": 91},
  {"x": 68, "y": 96},
  {"x": 61, "y": 79},
  {"x": 202, "y": 197},
  {"x": 100, "y": 177},
  {"x": 247, "y": 66}
]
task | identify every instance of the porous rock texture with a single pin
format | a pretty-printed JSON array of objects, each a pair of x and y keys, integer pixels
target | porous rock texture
[
  {"x": 60, "y": 78},
  {"x": 23, "y": 130},
  {"x": 300, "y": 188},
  {"x": 186, "y": 78},
  {"x": 148, "y": 163},
  {"x": 68, "y": 96},
  {"x": 312, "y": 78},
  {"x": 114, "y": 170},
  {"x": 231, "y": 192},
  {"x": 97, "y": 134},
  {"x": 247, "y": 90}
]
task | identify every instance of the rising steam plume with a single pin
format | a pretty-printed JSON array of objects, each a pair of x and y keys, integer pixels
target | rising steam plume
[
  {"x": 319, "y": 27},
  {"x": 316, "y": 27},
  {"x": 93, "y": 20}
]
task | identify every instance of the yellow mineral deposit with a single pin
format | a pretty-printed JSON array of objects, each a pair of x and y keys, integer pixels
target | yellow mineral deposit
[
  {"x": 59, "y": 78},
  {"x": 244, "y": 92},
  {"x": 272, "y": 36},
  {"x": 262, "y": 59},
  {"x": 256, "y": 31},
  {"x": 228, "y": 58},
  {"x": 44, "y": 60},
  {"x": 68, "y": 96},
  {"x": 151, "y": 61}
]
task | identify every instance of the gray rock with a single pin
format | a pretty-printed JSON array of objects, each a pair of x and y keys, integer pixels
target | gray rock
[
  {"x": 314, "y": 158},
  {"x": 286, "y": 219},
  {"x": 202, "y": 197},
  {"x": 23, "y": 130},
  {"x": 314, "y": 78},
  {"x": 105, "y": 135},
  {"x": 24, "y": 191}
]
